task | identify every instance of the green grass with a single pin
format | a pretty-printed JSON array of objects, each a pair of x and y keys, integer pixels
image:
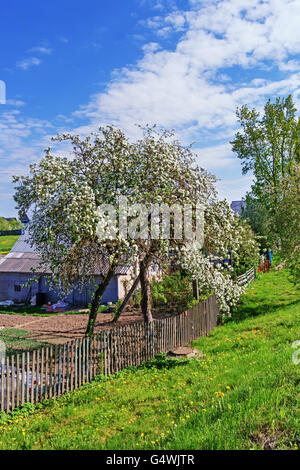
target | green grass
[
  {"x": 270, "y": 292},
  {"x": 24, "y": 310},
  {"x": 245, "y": 394},
  {"x": 16, "y": 341},
  {"x": 7, "y": 242}
]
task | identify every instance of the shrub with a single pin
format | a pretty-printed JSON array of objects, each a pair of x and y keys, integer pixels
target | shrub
[{"x": 173, "y": 290}]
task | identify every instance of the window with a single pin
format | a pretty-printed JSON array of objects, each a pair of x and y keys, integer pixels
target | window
[{"x": 17, "y": 288}]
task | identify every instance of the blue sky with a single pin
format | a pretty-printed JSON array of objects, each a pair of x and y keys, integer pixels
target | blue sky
[{"x": 183, "y": 64}]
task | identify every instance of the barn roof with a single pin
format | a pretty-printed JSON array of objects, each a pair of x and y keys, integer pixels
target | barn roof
[
  {"x": 22, "y": 244},
  {"x": 22, "y": 259},
  {"x": 18, "y": 262}
]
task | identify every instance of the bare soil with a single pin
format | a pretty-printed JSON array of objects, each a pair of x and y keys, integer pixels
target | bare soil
[{"x": 60, "y": 328}]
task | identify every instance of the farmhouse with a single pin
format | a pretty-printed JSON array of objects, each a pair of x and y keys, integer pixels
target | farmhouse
[{"x": 16, "y": 270}]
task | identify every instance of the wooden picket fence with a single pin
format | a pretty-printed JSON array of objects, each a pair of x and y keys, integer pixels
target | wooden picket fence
[
  {"x": 53, "y": 370},
  {"x": 247, "y": 277}
]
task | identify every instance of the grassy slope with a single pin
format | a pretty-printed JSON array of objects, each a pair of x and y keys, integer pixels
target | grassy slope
[
  {"x": 7, "y": 242},
  {"x": 245, "y": 394}
]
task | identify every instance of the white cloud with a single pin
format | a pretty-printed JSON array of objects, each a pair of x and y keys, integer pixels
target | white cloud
[
  {"x": 41, "y": 50},
  {"x": 216, "y": 157},
  {"x": 21, "y": 139},
  {"x": 27, "y": 63},
  {"x": 177, "y": 20},
  {"x": 157, "y": 4},
  {"x": 290, "y": 66},
  {"x": 233, "y": 189},
  {"x": 151, "y": 47},
  {"x": 183, "y": 88},
  {"x": 195, "y": 86},
  {"x": 16, "y": 103}
]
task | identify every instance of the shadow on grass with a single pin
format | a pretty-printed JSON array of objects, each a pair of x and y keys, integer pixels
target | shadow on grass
[
  {"x": 24, "y": 310},
  {"x": 16, "y": 341},
  {"x": 248, "y": 311}
]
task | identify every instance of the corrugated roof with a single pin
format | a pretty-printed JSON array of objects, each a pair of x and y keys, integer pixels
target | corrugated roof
[
  {"x": 18, "y": 262},
  {"x": 22, "y": 244},
  {"x": 22, "y": 259}
]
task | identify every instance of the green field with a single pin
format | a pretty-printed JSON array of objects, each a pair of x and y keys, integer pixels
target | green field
[
  {"x": 7, "y": 242},
  {"x": 245, "y": 394}
]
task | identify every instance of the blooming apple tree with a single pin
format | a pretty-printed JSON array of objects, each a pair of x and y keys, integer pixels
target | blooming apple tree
[
  {"x": 167, "y": 176},
  {"x": 64, "y": 196}
]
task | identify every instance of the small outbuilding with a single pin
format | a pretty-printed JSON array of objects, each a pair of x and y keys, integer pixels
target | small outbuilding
[{"x": 16, "y": 270}]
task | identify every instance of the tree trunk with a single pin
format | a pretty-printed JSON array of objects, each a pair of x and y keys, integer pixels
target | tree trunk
[
  {"x": 97, "y": 300},
  {"x": 145, "y": 289},
  {"x": 126, "y": 300}
]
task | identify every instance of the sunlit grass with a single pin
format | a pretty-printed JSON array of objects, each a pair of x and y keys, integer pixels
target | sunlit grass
[
  {"x": 7, "y": 242},
  {"x": 244, "y": 395}
]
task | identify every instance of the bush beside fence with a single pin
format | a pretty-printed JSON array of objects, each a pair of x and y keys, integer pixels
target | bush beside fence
[{"x": 53, "y": 370}]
